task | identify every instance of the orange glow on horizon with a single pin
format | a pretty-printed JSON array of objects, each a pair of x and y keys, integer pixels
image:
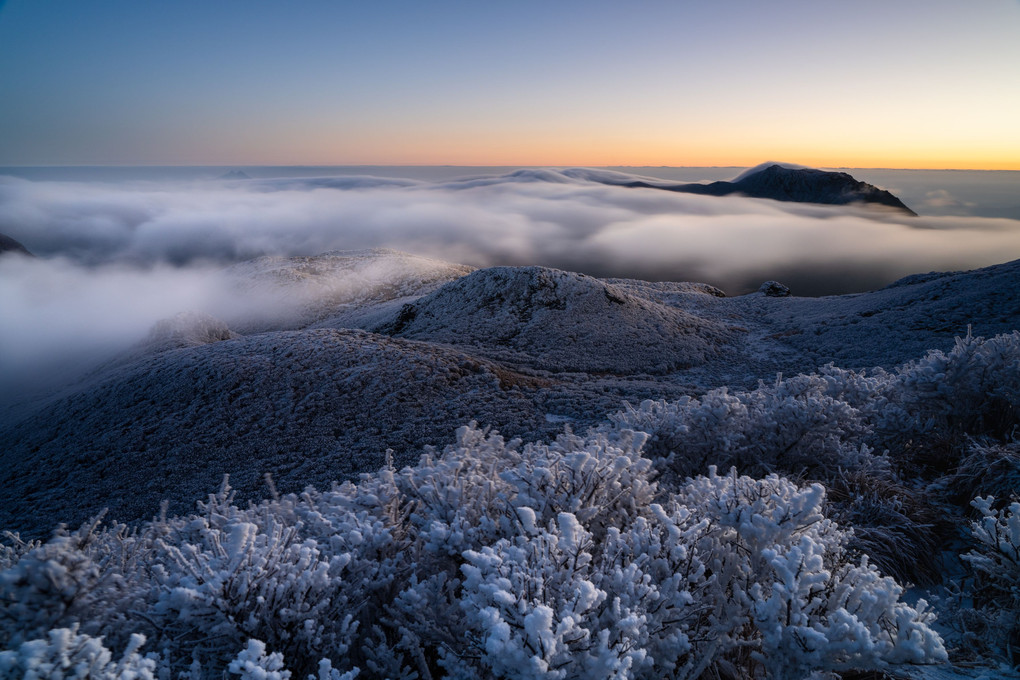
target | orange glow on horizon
[
  {"x": 592, "y": 158},
  {"x": 598, "y": 144},
  {"x": 648, "y": 143}
]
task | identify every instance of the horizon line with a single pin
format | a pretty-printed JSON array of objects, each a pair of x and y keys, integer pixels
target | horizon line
[{"x": 472, "y": 165}]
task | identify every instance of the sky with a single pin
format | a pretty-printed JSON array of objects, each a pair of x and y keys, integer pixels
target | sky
[{"x": 903, "y": 84}]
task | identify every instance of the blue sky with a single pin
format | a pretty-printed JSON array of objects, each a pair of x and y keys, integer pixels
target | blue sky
[{"x": 902, "y": 84}]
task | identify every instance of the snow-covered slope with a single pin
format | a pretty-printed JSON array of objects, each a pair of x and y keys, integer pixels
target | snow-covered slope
[
  {"x": 898, "y": 456},
  {"x": 524, "y": 350},
  {"x": 561, "y": 321},
  {"x": 891, "y": 325},
  {"x": 307, "y": 406}
]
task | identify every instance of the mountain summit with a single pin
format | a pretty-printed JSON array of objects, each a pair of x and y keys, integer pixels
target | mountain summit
[
  {"x": 7, "y": 244},
  {"x": 781, "y": 182},
  {"x": 810, "y": 185}
]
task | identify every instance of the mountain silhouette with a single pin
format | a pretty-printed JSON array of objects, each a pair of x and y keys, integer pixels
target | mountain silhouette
[
  {"x": 802, "y": 185},
  {"x": 7, "y": 244}
]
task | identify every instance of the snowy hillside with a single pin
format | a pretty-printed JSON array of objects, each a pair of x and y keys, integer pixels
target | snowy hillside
[
  {"x": 522, "y": 350},
  {"x": 560, "y": 321},
  {"x": 621, "y": 547}
]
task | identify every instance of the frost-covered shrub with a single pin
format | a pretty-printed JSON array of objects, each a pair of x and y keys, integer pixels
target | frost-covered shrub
[
  {"x": 488, "y": 510},
  {"x": 603, "y": 482},
  {"x": 13, "y": 548},
  {"x": 793, "y": 426},
  {"x": 820, "y": 422},
  {"x": 51, "y": 585},
  {"x": 259, "y": 574},
  {"x": 782, "y": 567},
  {"x": 495, "y": 559},
  {"x": 945, "y": 399},
  {"x": 895, "y": 525},
  {"x": 553, "y": 604},
  {"x": 252, "y": 663},
  {"x": 65, "y": 653},
  {"x": 862, "y": 434},
  {"x": 975, "y": 388},
  {"x": 529, "y": 603},
  {"x": 987, "y": 468},
  {"x": 996, "y": 565}
]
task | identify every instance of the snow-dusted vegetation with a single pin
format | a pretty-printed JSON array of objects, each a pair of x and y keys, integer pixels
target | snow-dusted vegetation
[
  {"x": 658, "y": 481},
  {"x": 496, "y": 559},
  {"x": 569, "y": 559}
]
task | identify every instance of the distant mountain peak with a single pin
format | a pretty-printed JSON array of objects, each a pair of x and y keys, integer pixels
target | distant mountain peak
[
  {"x": 235, "y": 174},
  {"x": 811, "y": 185},
  {"x": 772, "y": 180},
  {"x": 7, "y": 244},
  {"x": 766, "y": 165}
]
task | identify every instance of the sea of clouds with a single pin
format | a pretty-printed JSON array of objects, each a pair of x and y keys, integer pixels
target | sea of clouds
[{"x": 114, "y": 257}]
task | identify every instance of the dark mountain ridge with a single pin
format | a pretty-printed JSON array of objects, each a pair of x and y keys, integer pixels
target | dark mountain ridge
[
  {"x": 9, "y": 245},
  {"x": 801, "y": 185}
]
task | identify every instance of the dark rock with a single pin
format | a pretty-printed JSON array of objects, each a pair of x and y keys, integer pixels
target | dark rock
[
  {"x": 774, "y": 289},
  {"x": 800, "y": 185},
  {"x": 9, "y": 245}
]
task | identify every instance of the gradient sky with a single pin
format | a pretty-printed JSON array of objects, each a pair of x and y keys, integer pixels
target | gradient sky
[{"x": 890, "y": 83}]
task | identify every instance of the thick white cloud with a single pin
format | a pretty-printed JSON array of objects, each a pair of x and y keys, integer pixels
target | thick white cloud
[
  {"x": 117, "y": 257},
  {"x": 528, "y": 217}
]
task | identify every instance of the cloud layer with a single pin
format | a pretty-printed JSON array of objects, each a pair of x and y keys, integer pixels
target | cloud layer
[
  {"x": 527, "y": 217},
  {"x": 116, "y": 257}
]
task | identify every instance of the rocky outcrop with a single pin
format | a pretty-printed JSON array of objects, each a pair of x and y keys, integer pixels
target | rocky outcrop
[{"x": 9, "y": 245}]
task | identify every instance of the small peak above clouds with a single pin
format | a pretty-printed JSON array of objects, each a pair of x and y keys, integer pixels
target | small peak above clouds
[
  {"x": 235, "y": 174},
  {"x": 810, "y": 185},
  {"x": 765, "y": 166},
  {"x": 775, "y": 181},
  {"x": 9, "y": 245}
]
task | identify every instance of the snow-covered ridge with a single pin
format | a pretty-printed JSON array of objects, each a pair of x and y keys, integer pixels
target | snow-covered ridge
[{"x": 561, "y": 321}]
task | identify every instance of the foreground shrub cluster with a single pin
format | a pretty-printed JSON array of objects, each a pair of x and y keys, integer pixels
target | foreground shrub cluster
[
  {"x": 566, "y": 560},
  {"x": 493, "y": 560},
  {"x": 902, "y": 454},
  {"x": 922, "y": 417}
]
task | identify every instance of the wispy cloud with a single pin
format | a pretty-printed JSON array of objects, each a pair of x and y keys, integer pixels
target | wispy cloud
[{"x": 940, "y": 198}]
